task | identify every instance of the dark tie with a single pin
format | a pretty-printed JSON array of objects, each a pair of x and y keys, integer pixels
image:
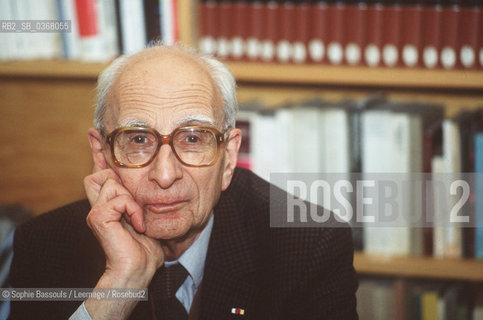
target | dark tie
[{"x": 164, "y": 285}]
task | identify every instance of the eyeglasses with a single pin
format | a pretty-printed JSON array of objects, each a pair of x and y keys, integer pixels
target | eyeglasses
[{"x": 136, "y": 147}]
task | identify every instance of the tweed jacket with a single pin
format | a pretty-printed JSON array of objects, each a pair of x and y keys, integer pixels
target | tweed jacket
[{"x": 270, "y": 273}]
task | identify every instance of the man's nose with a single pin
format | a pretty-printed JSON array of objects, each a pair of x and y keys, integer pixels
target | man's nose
[{"x": 166, "y": 168}]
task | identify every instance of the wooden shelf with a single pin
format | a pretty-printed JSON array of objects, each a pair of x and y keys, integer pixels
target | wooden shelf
[
  {"x": 266, "y": 73},
  {"x": 51, "y": 69},
  {"x": 355, "y": 76},
  {"x": 419, "y": 267}
]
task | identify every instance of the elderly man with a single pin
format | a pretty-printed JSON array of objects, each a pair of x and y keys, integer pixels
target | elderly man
[{"x": 168, "y": 209}]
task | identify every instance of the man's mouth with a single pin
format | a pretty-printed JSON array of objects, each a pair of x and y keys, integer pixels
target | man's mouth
[{"x": 165, "y": 207}]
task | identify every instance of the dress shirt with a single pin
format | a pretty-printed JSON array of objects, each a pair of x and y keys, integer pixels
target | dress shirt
[{"x": 193, "y": 260}]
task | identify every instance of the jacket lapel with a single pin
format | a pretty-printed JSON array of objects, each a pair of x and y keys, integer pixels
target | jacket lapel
[{"x": 229, "y": 283}]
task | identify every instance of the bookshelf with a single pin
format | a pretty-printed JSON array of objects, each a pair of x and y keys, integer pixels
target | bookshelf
[
  {"x": 307, "y": 74},
  {"x": 274, "y": 84},
  {"x": 273, "y": 73},
  {"x": 454, "y": 88},
  {"x": 62, "y": 69},
  {"x": 419, "y": 267}
]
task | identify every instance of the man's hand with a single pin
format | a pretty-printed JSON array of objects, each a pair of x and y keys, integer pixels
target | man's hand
[{"x": 131, "y": 258}]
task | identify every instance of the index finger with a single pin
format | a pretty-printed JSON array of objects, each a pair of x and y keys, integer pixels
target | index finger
[{"x": 93, "y": 183}]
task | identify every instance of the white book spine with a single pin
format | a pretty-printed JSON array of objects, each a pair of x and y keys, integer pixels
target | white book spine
[
  {"x": 48, "y": 44},
  {"x": 324, "y": 141},
  {"x": 284, "y": 128},
  {"x": 21, "y": 11},
  {"x": 108, "y": 29},
  {"x": 337, "y": 141},
  {"x": 34, "y": 40},
  {"x": 167, "y": 22},
  {"x": 7, "y": 39},
  {"x": 132, "y": 26},
  {"x": 376, "y": 136},
  {"x": 452, "y": 158},
  {"x": 262, "y": 146},
  {"x": 405, "y": 239},
  {"x": 306, "y": 139},
  {"x": 72, "y": 38}
]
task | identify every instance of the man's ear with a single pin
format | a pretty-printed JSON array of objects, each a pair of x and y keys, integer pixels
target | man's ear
[
  {"x": 97, "y": 149},
  {"x": 231, "y": 156}
]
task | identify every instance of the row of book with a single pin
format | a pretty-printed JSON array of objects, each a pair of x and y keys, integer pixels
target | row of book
[
  {"x": 382, "y": 299},
  {"x": 99, "y": 29},
  {"x": 368, "y": 138},
  {"x": 430, "y": 34}
]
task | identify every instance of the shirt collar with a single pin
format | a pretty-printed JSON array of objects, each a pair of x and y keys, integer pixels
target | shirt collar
[{"x": 193, "y": 259}]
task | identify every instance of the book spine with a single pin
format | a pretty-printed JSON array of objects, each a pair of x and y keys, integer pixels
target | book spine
[
  {"x": 452, "y": 157},
  {"x": 480, "y": 41},
  {"x": 108, "y": 30},
  {"x": 319, "y": 32},
  {"x": 439, "y": 203},
  {"x": 86, "y": 17},
  {"x": 468, "y": 33},
  {"x": 225, "y": 33},
  {"x": 336, "y": 41},
  {"x": 90, "y": 41},
  {"x": 255, "y": 29},
  {"x": 16, "y": 44},
  {"x": 120, "y": 43},
  {"x": 391, "y": 33},
  {"x": 52, "y": 44},
  {"x": 400, "y": 299},
  {"x": 244, "y": 123},
  {"x": 429, "y": 305},
  {"x": 208, "y": 17},
  {"x": 431, "y": 145},
  {"x": 174, "y": 20},
  {"x": 355, "y": 31},
  {"x": 287, "y": 32},
  {"x": 7, "y": 41},
  {"x": 132, "y": 14},
  {"x": 432, "y": 20},
  {"x": 374, "y": 42},
  {"x": 302, "y": 32},
  {"x": 61, "y": 14},
  {"x": 32, "y": 40},
  {"x": 450, "y": 34},
  {"x": 478, "y": 149},
  {"x": 152, "y": 13},
  {"x": 270, "y": 32},
  {"x": 168, "y": 21},
  {"x": 70, "y": 40},
  {"x": 411, "y": 17},
  {"x": 240, "y": 30}
]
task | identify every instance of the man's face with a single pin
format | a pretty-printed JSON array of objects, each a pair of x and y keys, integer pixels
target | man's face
[{"x": 165, "y": 93}]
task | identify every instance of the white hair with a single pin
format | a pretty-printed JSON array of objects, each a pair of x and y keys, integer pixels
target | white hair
[{"x": 220, "y": 74}]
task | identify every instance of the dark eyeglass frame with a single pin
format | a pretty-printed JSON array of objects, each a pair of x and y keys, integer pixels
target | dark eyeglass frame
[{"x": 165, "y": 139}]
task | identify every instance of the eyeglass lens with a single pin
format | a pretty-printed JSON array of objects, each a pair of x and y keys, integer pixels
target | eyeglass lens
[{"x": 192, "y": 146}]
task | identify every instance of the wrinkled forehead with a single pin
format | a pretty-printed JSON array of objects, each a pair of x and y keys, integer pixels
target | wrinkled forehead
[
  {"x": 167, "y": 64},
  {"x": 163, "y": 77}
]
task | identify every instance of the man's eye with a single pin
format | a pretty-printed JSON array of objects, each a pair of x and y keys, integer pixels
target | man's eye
[
  {"x": 139, "y": 140},
  {"x": 192, "y": 139}
]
